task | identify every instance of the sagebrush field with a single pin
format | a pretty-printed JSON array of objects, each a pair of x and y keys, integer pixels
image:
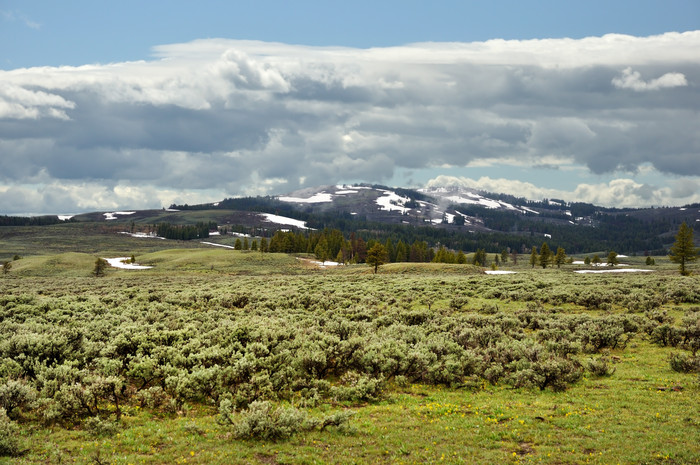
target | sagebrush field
[{"x": 223, "y": 356}]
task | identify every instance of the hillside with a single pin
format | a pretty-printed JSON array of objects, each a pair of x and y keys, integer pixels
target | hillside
[{"x": 458, "y": 218}]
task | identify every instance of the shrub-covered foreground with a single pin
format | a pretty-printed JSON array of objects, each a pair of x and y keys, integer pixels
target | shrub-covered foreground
[{"x": 277, "y": 357}]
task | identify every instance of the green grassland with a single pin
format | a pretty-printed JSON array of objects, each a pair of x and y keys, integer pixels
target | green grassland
[{"x": 135, "y": 366}]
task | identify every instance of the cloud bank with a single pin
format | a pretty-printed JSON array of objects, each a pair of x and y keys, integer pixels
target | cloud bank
[{"x": 215, "y": 118}]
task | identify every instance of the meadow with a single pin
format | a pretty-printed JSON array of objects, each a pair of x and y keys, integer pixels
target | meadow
[{"x": 223, "y": 356}]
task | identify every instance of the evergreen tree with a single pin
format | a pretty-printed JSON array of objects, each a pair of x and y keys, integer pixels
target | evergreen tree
[
  {"x": 587, "y": 260},
  {"x": 238, "y": 245},
  {"x": 545, "y": 255},
  {"x": 254, "y": 245},
  {"x": 100, "y": 266},
  {"x": 461, "y": 259},
  {"x": 377, "y": 256},
  {"x": 444, "y": 256},
  {"x": 6, "y": 267},
  {"x": 504, "y": 256},
  {"x": 533, "y": 257},
  {"x": 479, "y": 258},
  {"x": 560, "y": 257},
  {"x": 391, "y": 253},
  {"x": 246, "y": 245},
  {"x": 360, "y": 253},
  {"x": 596, "y": 260},
  {"x": 683, "y": 250},
  {"x": 401, "y": 252},
  {"x": 263, "y": 245},
  {"x": 612, "y": 259},
  {"x": 322, "y": 251}
]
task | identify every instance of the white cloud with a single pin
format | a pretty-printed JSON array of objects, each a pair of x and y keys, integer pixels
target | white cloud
[
  {"x": 615, "y": 193},
  {"x": 20, "y": 103},
  {"x": 633, "y": 80},
  {"x": 15, "y": 15},
  {"x": 246, "y": 117}
]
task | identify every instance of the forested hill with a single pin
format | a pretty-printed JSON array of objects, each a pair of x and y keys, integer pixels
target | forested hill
[
  {"x": 457, "y": 218},
  {"x": 464, "y": 219}
]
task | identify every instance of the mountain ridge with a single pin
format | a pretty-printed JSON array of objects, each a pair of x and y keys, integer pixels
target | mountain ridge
[{"x": 454, "y": 216}]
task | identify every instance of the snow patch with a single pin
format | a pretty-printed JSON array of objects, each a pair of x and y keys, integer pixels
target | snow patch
[
  {"x": 113, "y": 215},
  {"x": 119, "y": 262},
  {"x": 613, "y": 270},
  {"x": 499, "y": 272},
  {"x": 449, "y": 216},
  {"x": 321, "y": 197},
  {"x": 344, "y": 192},
  {"x": 277, "y": 219},
  {"x": 65, "y": 217},
  {"x": 141, "y": 235},
  {"x": 391, "y": 201},
  {"x": 218, "y": 245}
]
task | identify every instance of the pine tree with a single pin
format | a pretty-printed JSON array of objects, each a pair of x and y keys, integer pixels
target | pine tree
[
  {"x": 612, "y": 258},
  {"x": 683, "y": 250},
  {"x": 322, "y": 251},
  {"x": 533, "y": 257},
  {"x": 377, "y": 256},
  {"x": 461, "y": 259},
  {"x": 401, "y": 252},
  {"x": 545, "y": 255},
  {"x": 100, "y": 265},
  {"x": 391, "y": 253},
  {"x": 560, "y": 257},
  {"x": 479, "y": 258}
]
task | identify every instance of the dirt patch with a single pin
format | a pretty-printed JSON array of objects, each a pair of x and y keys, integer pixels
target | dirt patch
[
  {"x": 265, "y": 458},
  {"x": 525, "y": 448}
]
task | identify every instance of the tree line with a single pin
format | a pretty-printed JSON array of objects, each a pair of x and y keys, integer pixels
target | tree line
[
  {"x": 185, "y": 232},
  {"x": 29, "y": 220}
]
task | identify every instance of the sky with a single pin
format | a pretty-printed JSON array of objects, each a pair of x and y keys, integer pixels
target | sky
[{"x": 135, "y": 105}]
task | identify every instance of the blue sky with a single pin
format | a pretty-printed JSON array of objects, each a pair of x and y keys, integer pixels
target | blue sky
[
  {"x": 76, "y": 32},
  {"x": 110, "y": 105}
]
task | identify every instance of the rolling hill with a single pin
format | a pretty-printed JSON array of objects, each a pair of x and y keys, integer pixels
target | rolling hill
[{"x": 455, "y": 217}]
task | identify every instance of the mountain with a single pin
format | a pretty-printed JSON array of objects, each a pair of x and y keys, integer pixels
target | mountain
[{"x": 457, "y": 217}]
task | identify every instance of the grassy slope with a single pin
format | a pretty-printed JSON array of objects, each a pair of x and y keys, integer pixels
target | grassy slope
[{"x": 624, "y": 418}]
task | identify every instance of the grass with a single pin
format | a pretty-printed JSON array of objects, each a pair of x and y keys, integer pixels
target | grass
[
  {"x": 632, "y": 416},
  {"x": 621, "y": 419}
]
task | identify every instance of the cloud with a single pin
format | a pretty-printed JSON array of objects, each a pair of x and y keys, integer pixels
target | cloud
[
  {"x": 236, "y": 117},
  {"x": 17, "y": 102},
  {"x": 633, "y": 80},
  {"x": 15, "y": 15},
  {"x": 615, "y": 193}
]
